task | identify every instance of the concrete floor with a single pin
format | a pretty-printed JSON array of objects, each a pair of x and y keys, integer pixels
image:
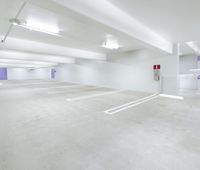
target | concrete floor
[{"x": 41, "y": 130}]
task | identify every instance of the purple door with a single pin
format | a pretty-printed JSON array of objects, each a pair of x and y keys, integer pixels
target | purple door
[
  {"x": 53, "y": 73},
  {"x": 3, "y": 74}
]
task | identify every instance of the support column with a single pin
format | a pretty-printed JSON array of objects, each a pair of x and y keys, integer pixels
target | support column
[{"x": 170, "y": 74}]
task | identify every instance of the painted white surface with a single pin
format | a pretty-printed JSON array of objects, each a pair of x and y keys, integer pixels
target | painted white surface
[
  {"x": 27, "y": 74},
  {"x": 93, "y": 95},
  {"x": 188, "y": 79},
  {"x": 130, "y": 104},
  {"x": 39, "y": 132},
  {"x": 187, "y": 62},
  {"x": 46, "y": 48},
  {"x": 172, "y": 97},
  {"x": 78, "y": 31},
  {"x": 133, "y": 70},
  {"x": 175, "y": 20},
  {"x": 32, "y": 56},
  {"x": 113, "y": 17}
]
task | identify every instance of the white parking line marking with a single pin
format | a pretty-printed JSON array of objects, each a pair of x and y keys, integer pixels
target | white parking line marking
[
  {"x": 130, "y": 104},
  {"x": 55, "y": 87},
  {"x": 93, "y": 95},
  {"x": 172, "y": 96},
  {"x": 29, "y": 84},
  {"x": 69, "y": 87}
]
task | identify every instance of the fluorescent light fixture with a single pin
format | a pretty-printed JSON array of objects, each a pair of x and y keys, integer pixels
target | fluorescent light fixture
[
  {"x": 35, "y": 25},
  {"x": 194, "y": 46},
  {"x": 111, "y": 42},
  {"x": 15, "y": 21},
  {"x": 42, "y": 27},
  {"x": 186, "y": 75},
  {"x": 113, "y": 45},
  {"x": 195, "y": 70}
]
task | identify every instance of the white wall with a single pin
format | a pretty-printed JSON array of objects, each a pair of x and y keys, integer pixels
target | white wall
[
  {"x": 187, "y": 62},
  {"x": 188, "y": 80},
  {"x": 132, "y": 70},
  {"x": 27, "y": 74}
]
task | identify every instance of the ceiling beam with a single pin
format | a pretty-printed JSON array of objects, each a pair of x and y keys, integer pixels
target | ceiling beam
[
  {"x": 52, "y": 50},
  {"x": 18, "y": 65},
  {"x": 28, "y": 62},
  {"x": 108, "y": 14},
  {"x": 28, "y": 56}
]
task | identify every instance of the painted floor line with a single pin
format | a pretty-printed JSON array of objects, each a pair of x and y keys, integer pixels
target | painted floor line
[
  {"x": 130, "y": 104},
  {"x": 172, "y": 96},
  {"x": 56, "y": 87},
  {"x": 67, "y": 89},
  {"x": 29, "y": 84},
  {"x": 93, "y": 95}
]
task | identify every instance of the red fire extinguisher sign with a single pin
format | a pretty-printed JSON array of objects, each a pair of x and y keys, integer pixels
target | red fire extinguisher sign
[{"x": 156, "y": 69}]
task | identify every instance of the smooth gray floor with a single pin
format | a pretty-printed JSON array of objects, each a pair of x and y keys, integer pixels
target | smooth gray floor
[{"x": 41, "y": 130}]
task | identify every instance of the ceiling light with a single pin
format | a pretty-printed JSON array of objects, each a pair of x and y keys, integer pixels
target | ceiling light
[
  {"x": 110, "y": 44},
  {"x": 186, "y": 75},
  {"x": 15, "y": 21},
  {"x": 42, "y": 27},
  {"x": 195, "y": 70},
  {"x": 35, "y": 25}
]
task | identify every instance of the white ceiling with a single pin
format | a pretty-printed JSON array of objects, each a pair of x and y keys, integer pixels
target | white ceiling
[
  {"x": 175, "y": 20},
  {"x": 82, "y": 36},
  {"x": 110, "y": 15},
  {"x": 77, "y": 30}
]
